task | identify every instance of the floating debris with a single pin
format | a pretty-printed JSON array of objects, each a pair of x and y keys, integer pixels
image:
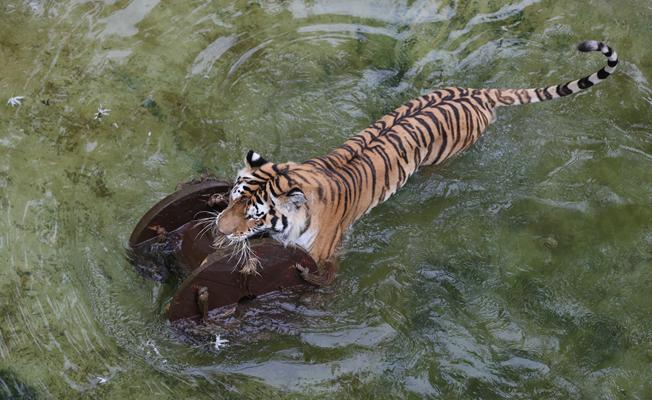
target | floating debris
[
  {"x": 219, "y": 342},
  {"x": 550, "y": 242},
  {"x": 15, "y": 101},
  {"x": 102, "y": 112},
  {"x": 153, "y": 107}
]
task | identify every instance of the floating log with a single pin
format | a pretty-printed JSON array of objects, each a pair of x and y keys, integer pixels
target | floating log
[
  {"x": 217, "y": 282},
  {"x": 155, "y": 241},
  {"x": 169, "y": 242}
]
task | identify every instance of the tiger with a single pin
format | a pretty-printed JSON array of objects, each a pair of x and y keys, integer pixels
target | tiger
[{"x": 312, "y": 204}]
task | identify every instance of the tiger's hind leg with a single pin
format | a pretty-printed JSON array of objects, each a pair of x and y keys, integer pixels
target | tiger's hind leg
[{"x": 326, "y": 276}]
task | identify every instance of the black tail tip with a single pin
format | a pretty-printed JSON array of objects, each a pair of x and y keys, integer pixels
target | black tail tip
[{"x": 589, "y": 45}]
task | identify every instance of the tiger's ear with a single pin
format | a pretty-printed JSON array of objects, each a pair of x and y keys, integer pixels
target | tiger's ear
[
  {"x": 293, "y": 199},
  {"x": 254, "y": 160}
]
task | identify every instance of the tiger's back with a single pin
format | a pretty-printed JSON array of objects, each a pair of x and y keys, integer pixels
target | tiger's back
[
  {"x": 427, "y": 130},
  {"x": 430, "y": 129}
]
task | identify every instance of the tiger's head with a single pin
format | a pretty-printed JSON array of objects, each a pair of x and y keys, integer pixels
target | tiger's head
[{"x": 265, "y": 199}]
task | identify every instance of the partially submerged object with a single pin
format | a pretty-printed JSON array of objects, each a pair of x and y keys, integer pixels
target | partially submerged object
[{"x": 172, "y": 241}]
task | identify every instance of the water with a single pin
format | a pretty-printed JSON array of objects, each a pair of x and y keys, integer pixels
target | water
[{"x": 520, "y": 269}]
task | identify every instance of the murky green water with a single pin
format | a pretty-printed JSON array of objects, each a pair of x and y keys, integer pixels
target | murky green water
[{"x": 521, "y": 269}]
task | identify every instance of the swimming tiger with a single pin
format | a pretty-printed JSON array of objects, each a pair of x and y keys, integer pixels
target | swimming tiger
[{"x": 312, "y": 204}]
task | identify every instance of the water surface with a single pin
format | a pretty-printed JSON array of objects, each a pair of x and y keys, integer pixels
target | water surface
[{"x": 520, "y": 269}]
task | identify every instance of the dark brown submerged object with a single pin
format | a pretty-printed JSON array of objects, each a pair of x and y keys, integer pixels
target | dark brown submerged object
[{"x": 171, "y": 240}]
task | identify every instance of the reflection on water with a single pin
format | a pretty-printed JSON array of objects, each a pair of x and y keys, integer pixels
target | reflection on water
[{"x": 518, "y": 270}]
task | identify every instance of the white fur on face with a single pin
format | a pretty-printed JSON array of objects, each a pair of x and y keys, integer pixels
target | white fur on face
[
  {"x": 241, "y": 181},
  {"x": 236, "y": 192},
  {"x": 289, "y": 208},
  {"x": 257, "y": 211}
]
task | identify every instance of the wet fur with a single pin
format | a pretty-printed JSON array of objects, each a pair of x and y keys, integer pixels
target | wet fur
[{"x": 312, "y": 204}]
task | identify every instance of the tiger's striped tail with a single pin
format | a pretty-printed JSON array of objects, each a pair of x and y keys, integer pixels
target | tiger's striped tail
[{"x": 506, "y": 97}]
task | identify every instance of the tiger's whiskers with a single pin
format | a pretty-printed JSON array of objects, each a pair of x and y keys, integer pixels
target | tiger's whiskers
[
  {"x": 206, "y": 224},
  {"x": 246, "y": 261}
]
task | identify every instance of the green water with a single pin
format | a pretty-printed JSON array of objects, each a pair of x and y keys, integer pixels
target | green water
[{"x": 521, "y": 269}]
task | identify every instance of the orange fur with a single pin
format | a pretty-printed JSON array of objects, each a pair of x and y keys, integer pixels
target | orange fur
[{"x": 312, "y": 204}]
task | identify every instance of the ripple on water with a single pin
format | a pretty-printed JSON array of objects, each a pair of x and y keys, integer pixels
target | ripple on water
[
  {"x": 363, "y": 336},
  {"x": 124, "y": 22},
  {"x": 520, "y": 269},
  {"x": 395, "y": 12},
  {"x": 205, "y": 60},
  {"x": 353, "y": 30}
]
